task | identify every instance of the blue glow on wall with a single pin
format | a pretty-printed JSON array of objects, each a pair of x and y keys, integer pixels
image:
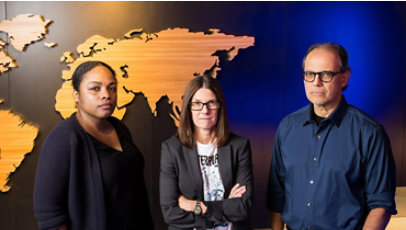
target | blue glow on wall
[{"x": 372, "y": 33}]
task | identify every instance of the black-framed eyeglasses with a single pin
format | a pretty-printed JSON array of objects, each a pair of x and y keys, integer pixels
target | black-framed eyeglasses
[
  {"x": 198, "y": 105},
  {"x": 324, "y": 76}
]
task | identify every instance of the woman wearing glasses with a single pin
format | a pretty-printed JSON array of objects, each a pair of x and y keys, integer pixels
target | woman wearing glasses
[{"x": 206, "y": 171}]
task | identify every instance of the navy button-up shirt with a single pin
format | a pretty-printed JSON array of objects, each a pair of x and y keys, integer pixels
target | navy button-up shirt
[{"x": 329, "y": 176}]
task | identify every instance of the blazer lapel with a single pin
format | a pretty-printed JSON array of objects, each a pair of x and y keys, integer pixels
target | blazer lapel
[
  {"x": 194, "y": 169},
  {"x": 225, "y": 166}
]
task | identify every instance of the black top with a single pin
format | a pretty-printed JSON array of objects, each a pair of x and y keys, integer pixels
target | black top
[
  {"x": 123, "y": 183},
  {"x": 315, "y": 117}
]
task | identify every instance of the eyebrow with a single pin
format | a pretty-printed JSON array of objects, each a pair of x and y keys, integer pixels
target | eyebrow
[
  {"x": 99, "y": 83},
  {"x": 198, "y": 100}
]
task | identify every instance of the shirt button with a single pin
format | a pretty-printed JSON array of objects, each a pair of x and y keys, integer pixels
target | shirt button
[
  {"x": 314, "y": 158},
  {"x": 318, "y": 136},
  {"x": 309, "y": 227},
  {"x": 311, "y": 181},
  {"x": 309, "y": 204}
]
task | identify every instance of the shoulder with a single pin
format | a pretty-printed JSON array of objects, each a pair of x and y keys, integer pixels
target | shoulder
[
  {"x": 172, "y": 145},
  {"x": 237, "y": 141},
  {"x": 294, "y": 120},
  {"x": 234, "y": 138},
  {"x": 357, "y": 117},
  {"x": 68, "y": 127},
  {"x": 170, "y": 149},
  {"x": 62, "y": 139},
  {"x": 298, "y": 115},
  {"x": 237, "y": 146},
  {"x": 172, "y": 142}
]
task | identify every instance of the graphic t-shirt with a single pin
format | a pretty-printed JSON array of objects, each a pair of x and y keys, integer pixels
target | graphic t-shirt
[{"x": 213, "y": 187}]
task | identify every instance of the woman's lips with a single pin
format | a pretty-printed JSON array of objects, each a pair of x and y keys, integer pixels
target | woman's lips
[{"x": 106, "y": 106}]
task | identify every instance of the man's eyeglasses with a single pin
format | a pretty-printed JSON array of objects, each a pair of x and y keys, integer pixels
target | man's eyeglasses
[
  {"x": 324, "y": 76},
  {"x": 198, "y": 106}
]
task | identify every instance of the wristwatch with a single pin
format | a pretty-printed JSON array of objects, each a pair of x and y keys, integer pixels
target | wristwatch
[{"x": 198, "y": 209}]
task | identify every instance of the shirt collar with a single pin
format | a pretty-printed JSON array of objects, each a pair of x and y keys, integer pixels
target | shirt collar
[{"x": 335, "y": 117}]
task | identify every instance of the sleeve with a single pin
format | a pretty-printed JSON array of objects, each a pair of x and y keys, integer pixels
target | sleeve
[
  {"x": 275, "y": 195},
  {"x": 235, "y": 209},
  {"x": 380, "y": 175},
  {"x": 169, "y": 193},
  {"x": 51, "y": 182}
]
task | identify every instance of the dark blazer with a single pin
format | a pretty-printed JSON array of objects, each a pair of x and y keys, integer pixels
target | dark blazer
[{"x": 180, "y": 175}]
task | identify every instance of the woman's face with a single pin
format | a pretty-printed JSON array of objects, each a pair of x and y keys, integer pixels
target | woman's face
[
  {"x": 205, "y": 119},
  {"x": 97, "y": 93}
]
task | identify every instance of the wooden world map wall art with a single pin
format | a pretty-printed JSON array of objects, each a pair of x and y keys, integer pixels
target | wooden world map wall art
[
  {"x": 157, "y": 65},
  {"x": 16, "y": 136}
]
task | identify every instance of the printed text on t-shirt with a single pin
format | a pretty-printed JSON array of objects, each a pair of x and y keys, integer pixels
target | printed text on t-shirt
[{"x": 208, "y": 160}]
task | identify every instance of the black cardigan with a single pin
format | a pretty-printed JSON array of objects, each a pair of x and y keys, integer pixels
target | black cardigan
[{"x": 68, "y": 186}]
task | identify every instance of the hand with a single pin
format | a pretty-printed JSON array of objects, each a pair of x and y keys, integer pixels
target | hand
[
  {"x": 276, "y": 221},
  {"x": 189, "y": 205},
  {"x": 186, "y": 204},
  {"x": 237, "y": 191},
  {"x": 377, "y": 218}
]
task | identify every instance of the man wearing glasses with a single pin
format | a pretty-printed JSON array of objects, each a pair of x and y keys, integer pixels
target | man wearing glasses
[{"x": 332, "y": 165}]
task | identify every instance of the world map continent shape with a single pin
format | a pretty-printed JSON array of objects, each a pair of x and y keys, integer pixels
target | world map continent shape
[
  {"x": 156, "y": 64},
  {"x": 25, "y": 29},
  {"x": 16, "y": 140},
  {"x": 16, "y": 136},
  {"x": 6, "y": 62}
]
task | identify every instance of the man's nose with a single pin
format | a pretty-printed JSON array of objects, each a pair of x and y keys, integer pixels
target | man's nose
[{"x": 317, "y": 80}]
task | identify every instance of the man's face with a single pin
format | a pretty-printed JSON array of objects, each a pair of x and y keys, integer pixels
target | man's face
[{"x": 324, "y": 94}]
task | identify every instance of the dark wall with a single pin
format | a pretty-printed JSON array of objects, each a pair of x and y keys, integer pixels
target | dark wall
[{"x": 262, "y": 84}]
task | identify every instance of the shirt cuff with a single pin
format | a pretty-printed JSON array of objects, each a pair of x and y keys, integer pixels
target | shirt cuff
[
  {"x": 382, "y": 200},
  {"x": 214, "y": 209}
]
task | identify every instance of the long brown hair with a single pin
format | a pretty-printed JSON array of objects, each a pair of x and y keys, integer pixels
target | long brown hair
[{"x": 186, "y": 126}]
